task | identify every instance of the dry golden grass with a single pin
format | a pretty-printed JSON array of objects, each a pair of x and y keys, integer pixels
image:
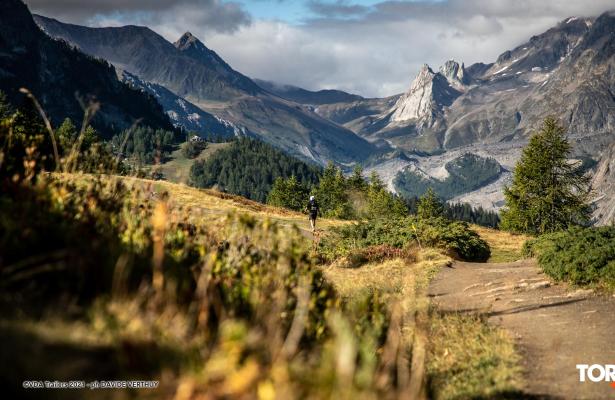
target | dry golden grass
[
  {"x": 392, "y": 277},
  {"x": 468, "y": 358},
  {"x": 463, "y": 356},
  {"x": 211, "y": 207},
  {"x": 505, "y": 246},
  {"x": 403, "y": 287}
]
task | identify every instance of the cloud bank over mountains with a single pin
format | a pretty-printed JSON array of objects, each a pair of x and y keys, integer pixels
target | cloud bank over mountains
[{"x": 366, "y": 47}]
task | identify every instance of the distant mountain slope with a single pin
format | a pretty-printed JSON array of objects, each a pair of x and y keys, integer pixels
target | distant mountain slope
[
  {"x": 184, "y": 68},
  {"x": 303, "y": 96},
  {"x": 183, "y": 113},
  {"x": 192, "y": 71},
  {"x": 58, "y": 75}
]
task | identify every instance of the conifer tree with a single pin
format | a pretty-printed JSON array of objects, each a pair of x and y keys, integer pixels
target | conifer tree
[
  {"x": 429, "y": 206},
  {"x": 5, "y": 108},
  {"x": 548, "y": 191},
  {"x": 331, "y": 193},
  {"x": 288, "y": 193},
  {"x": 356, "y": 180}
]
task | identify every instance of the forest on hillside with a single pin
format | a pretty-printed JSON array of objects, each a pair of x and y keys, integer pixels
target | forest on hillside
[{"x": 248, "y": 168}]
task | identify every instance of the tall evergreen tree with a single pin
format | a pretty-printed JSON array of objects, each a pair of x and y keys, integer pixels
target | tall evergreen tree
[
  {"x": 5, "y": 107},
  {"x": 548, "y": 191},
  {"x": 429, "y": 205},
  {"x": 356, "y": 180},
  {"x": 288, "y": 193},
  {"x": 331, "y": 193}
]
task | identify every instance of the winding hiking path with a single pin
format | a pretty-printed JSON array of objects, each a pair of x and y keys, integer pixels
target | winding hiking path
[{"x": 554, "y": 326}]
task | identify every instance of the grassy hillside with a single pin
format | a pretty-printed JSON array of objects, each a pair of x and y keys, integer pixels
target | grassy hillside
[
  {"x": 211, "y": 207},
  {"x": 177, "y": 168}
]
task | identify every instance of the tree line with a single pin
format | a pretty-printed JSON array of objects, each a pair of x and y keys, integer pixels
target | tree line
[{"x": 249, "y": 168}]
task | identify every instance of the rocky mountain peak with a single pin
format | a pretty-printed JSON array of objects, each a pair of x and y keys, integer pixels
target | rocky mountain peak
[
  {"x": 429, "y": 92},
  {"x": 188, "y": 40},
  {"x": 455, "y": 73}
]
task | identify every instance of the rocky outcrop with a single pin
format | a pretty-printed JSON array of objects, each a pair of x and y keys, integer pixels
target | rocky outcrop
[
  {"x": 424, "y": 102},
  {"x": 603, "y": 185},
  {"x": 455, "y": 74}
]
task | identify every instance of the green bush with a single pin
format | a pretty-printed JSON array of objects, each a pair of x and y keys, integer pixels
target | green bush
[
  {"x": 193, "y": 149},
  {"x": 582, "y": 256},
  {"x": 453, "y": 236}
]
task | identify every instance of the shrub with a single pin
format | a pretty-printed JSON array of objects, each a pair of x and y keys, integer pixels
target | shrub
[
  {"x": 455, "y": 237},
  {"x": 582, "y": 256},
  {"x": 193, "y": 149}
]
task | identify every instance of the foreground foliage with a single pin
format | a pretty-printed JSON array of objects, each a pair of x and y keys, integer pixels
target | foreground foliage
[
  {"x": 582, "y": 256},
  {"x": 128, "y": 282},
  {"x": 453, "y": 236},
  {"x": 237, "y": 311}
]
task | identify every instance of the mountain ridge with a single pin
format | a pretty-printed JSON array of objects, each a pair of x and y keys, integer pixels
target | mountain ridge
[
  {"x": 195, "y": 73},
  {"x": 52, "y": 71}
]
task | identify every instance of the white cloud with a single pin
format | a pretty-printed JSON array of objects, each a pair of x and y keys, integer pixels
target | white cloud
[{"x": 379, "y": 54}]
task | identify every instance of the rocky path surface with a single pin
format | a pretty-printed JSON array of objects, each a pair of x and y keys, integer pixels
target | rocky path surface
[{"x": 555, "y": 327}]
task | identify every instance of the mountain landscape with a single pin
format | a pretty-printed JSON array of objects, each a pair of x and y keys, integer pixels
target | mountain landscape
[
  {"x": 210, "y": 235},
  {"x": 192, "y": 71},
  {"x": 491, "y": 109},
  {"x": 482, "y": 109}
]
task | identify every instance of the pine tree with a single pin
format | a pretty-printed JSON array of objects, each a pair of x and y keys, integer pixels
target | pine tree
[
  {"x": 548, "y": 191},
  {"x": 381, "y": 203},
  {"x": 429, "y": 206},
  {"x": 331, "y": 193},
  {"x": 288, "y": 193},
  {"x": 66, "y": 135},
  {"x": 356, "y": 180}
]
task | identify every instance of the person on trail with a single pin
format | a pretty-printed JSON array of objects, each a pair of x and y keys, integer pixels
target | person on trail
[{"x": 313, "y": 211}]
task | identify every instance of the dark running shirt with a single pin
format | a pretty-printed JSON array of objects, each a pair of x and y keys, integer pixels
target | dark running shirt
[{"x": 313, "y": 209}]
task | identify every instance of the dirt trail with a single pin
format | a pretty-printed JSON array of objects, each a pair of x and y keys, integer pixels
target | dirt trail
[{"x": 554, "y": 326}]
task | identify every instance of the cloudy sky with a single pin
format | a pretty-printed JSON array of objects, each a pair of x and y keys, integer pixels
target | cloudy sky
[{"x": 369, "y": 47}]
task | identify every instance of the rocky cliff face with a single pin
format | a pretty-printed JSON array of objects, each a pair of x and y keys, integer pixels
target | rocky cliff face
[
  {"x": 184, "y": 114},
  {"x": 428, "y": 94},
  {"x": 60, "y": 76},
  {"x": 566, "y": 71},
  {"x": 603, "y": 184},
  {"x": 455, "y": 74}
]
